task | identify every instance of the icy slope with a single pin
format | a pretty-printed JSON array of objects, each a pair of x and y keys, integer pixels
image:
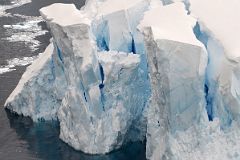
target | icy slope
[{"x": 37, "y": 94}]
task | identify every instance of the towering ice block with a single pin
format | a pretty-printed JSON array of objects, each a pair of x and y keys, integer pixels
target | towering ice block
[
  {"x": 94, "y": 77},
  {"x": 177, "y": 63},
  {"x": 98, "y": 95},
  {"x": 218, "y": 30},
  {"x": 102, "y": 126},
  {"x": 116, "y": 23},
  {"x": 115, "y": 28}
]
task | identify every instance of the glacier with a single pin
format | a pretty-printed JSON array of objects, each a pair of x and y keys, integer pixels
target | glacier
[{"x": 119, "y": 71}]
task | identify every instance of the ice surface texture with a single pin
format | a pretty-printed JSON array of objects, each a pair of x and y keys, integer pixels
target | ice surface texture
[{"x": 120, "y": 71}]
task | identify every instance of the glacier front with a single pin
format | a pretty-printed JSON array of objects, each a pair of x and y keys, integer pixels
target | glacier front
[{"x": 120, "y": 71}]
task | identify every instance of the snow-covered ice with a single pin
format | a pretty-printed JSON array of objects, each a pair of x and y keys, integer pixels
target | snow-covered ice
[
  {"x": 218, "y": 25},
  {"x": 221, "y": 20},
  {"x": 36, "y": 93},
  {"x": 120, "y": 71},
  {"x": 177, "y": 63}
]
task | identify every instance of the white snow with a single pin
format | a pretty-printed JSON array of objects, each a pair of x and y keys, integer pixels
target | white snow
[
  {"x": 73, "y": 16},
  {"x": 169, "y": 17},
  {"x": 109, "y": 7},
  {"x": 221, "y": 19}
]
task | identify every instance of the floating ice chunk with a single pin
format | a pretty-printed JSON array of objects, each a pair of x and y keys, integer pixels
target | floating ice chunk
[
  {"x": 6, "y": 69},
  {"x": 16, "y": 62}
]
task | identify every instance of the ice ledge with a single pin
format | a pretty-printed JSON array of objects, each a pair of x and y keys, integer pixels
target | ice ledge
[
  {"x": 64, "y": 14},
  {"x": 171, "y": 16},
  {"x": 221, "y": 18}
]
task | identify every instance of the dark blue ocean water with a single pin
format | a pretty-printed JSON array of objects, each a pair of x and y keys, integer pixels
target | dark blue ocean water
[{"x": 20, "y": 138}]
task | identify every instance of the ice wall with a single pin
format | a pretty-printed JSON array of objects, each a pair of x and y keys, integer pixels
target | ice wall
[
  {"x": 218, "y": 31},
  {"x": 106, "y": 94},
  {"x": 177, "y": 63},
  {"x": 120, "y": 71}
]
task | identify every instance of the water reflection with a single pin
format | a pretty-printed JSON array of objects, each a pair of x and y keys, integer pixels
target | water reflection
[{"x": 43, "y": 141}]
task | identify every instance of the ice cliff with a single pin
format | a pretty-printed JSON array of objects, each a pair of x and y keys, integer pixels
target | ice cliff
[
  {"x": 177, "y": 62},
  {"x": 120, "y": 71}
]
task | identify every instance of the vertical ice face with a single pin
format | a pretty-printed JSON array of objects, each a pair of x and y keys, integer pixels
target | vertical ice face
[
  {"x": 177, "y": 62},
  {"x": 93, "y": 77},
  {"x": 115, "y": 25},
  {"x": 115, "y": 28},
  {"x": 115, "y": 105},
  {"x": 218, "y": 30},
  {"x": 106, "y": 91}
]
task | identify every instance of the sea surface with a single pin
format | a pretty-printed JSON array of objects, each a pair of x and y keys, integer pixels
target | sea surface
[{"x": 23, "y": 35}]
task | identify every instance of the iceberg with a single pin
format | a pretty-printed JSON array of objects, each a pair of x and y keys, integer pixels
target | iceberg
[
  {"x": 119, "y": 71},
  {"x": 98, "y": 95}
]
